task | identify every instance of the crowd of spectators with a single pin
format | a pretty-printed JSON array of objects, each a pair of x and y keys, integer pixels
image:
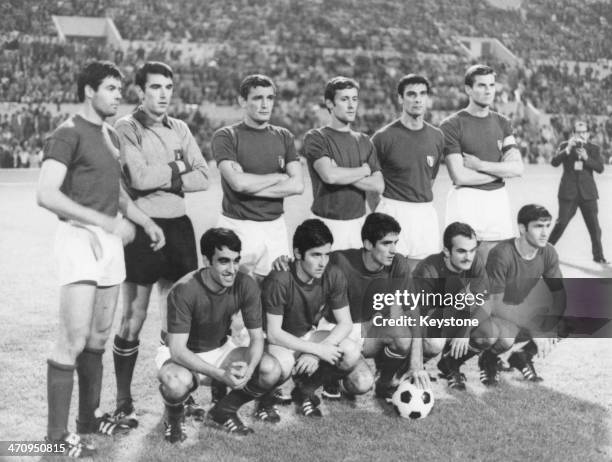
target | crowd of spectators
[{"x": 301, "y": 44}]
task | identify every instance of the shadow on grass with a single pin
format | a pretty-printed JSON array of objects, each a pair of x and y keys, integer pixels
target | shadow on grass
[{"x": 514, "y": 422}]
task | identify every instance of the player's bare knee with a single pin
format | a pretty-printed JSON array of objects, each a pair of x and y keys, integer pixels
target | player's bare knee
[
  {"x": 359, "y": 381},
  {"x": 176, "y": 381},
  {"x": 503, "y": 344},
  {"x": 433, "y": 346},
  {"x": 483, "y": 343},
  {"x": 269, "y": 370}
]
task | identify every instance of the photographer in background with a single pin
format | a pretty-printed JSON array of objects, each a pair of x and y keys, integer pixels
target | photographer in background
[{"x": 577, "y": 189}]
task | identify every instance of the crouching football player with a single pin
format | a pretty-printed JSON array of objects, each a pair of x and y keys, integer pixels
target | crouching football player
[
  {"x": 294, "y": 301},
  {"x": 458, "y": 273},
  {"x": 200, "y": 310},
  {"x": 514, "y": 268},
  {"x": 376, "y": 268}
]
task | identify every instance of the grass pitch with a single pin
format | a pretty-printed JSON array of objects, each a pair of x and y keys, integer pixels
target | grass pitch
[{"x": 567, "y": 417}]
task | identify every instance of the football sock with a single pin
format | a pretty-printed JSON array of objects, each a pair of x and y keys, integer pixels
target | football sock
[
  {"x": 89, "y": 370},
  {"x": 231, "y": 402},
  {"x": 530, "y": 349},
  {"x": 60, "y": 380},
  {"x": 309, "y": 384},
  {"x": 387, "y": 363},
  {"x": 125, "y": 353}
]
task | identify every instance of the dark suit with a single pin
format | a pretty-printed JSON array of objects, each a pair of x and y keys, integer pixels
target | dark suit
[{"x": 578, "y": 189}]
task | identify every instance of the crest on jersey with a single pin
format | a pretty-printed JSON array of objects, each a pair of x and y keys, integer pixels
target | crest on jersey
[
  {"x": 499, "y": 144},
  {"x": 178, "y": 154},
  {"x": 431, "y": 160},
  {"x": 281, "y": 163}
]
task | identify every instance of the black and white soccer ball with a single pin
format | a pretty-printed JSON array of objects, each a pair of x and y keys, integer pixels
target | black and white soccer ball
[{"x": 410, "y": 402}]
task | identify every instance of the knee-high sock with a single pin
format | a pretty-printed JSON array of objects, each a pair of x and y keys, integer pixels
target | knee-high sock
[
  {"x": 60, "y": 380},
  {"x": 231, "y": 402},
  {"x": 326, "y": 372},
  {"x": 387, "y": 363},
  {"x": 455, "y": 363},
  {"x": 89, "y": 370},
  {"x": 125, "y": 353}
]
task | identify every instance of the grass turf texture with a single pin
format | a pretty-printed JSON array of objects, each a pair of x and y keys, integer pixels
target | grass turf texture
[{"x": 567, "y": 417}]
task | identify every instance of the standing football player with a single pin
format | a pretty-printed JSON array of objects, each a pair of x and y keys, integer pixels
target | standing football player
[
  {"x": 200, "y": 310},
  {"x": 343, "y": 166},
  {"x": 295, "y": 301},
  {"x": 162, "y": 162},
  {"x": 80, "y": 182},
  {"x": 409, "y": 150},
  {"x": 259, "y": 167},
  {"x": 481, "y": 152},
  {"x": 514, "y": 268}
]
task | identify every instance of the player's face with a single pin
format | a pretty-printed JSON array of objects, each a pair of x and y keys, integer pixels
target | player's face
[
  {"x": 314, "y": 260},
  {"x": 537, "y": 232},
  {"x": 258, "y": 105},
  {"x": 414, "y": 100},
  {"x": 224, "y": 266},
  {"x": 344, "y": 106},
  {"x": 384, "y": 250},
  {"x": 482, "y": 92},
  {"x": 157, "y": 94},
  {"x": 105, "y": 101},
  {"x": 461, "y": 256}
]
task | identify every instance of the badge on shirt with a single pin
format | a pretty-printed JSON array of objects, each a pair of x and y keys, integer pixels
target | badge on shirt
[
  {"x": 281, "y": 163},
  {"x": 431, "y": 160},
  {"x": 578, "y": 165},
  {"x": 178, "y": 154}
]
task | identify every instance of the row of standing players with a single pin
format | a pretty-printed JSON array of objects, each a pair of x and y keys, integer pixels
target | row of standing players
[{"x": 158, "y": 161}]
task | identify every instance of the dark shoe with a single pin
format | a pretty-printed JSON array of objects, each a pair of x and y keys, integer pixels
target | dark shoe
[
  {"x": 103, "y": 425},
  {"x": 267, "y": 413},
  {"x": 308, "y": 405},
  {"x": 230, "y": 423},
  {"x": 175, "y": 429},
  {"x": 384, "y": 391},
  {"x": 489, "y": 372},
  {"x": 125, "y": 416},
  {"x": 73, "y": 445},
  {"x": 600, "y": 260},
  {"x": 520, "y": 361}
]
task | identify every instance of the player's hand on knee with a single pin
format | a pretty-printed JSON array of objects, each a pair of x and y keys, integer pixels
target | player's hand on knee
[
  {"x": 281, "y": 263},
  {"x": 459, "y": 347},
  {"x": 306, "y": 364},
  {"x": 155, "y": 233},
  {"x": 420, "y": 378},
  {"x": 330, "y": 353},
  {"x": 234, "y": 376}
]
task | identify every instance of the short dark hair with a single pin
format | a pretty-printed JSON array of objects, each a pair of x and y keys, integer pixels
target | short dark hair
[
  {"x": 152, "y": 67},
  {"x": 476, "y": 69},
  {"x": 217, "y": 238},
  {"x": 338, "y": 83},
  {"x": 93, "y": 74},
  {"x": 412, "y": 79},
  {"x": 532, "y": 212},
  {"x": 457, "y": 229},
  {"x": 310, "y": 234},
  {"x": 377, "y": 226},
  {"x": 252, "y": 81}
]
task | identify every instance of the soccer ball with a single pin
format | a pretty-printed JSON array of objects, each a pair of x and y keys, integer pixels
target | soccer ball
[{"x": 410, "y": 402}]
